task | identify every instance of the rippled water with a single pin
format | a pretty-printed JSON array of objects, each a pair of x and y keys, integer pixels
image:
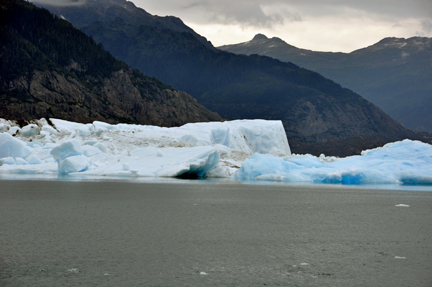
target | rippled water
[{"x": 183, "y": 233}]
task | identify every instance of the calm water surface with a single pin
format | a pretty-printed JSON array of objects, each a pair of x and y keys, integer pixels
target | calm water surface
[{"x": 182, "y": 233}]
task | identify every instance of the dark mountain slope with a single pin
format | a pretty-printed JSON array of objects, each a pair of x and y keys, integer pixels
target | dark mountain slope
[
  {"x": 319, "y": 115},
  {"x": 108, "y": 10},
  {"x": 48, "y": 68},
  {"x": 395, "y": 74}
]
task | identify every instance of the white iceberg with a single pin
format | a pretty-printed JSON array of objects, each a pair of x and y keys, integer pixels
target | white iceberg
[
  {"x": 246, "y": 150},
  {"x": 101, "y": 149},
  {"x": 66, "y": 149},
  {"x": 402, "y": 205},
  {"x": 75, "y": 163},
  {"x": 12, "y": 147}
]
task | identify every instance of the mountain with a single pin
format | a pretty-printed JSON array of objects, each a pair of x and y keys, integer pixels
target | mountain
[
  {"x": 319, "y": 115},
  {"x": 108, "y": 10},
  {"x": 395, "y": 73},
  {"x": 48, "y": 68}
]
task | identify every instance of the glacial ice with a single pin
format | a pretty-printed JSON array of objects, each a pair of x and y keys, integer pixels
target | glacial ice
[
  {"x": 12, "y": 147},
  {"x": 407, "y": 162},
  {"x": 245, "y": 150},
  {"x": 193, "y": 150}
]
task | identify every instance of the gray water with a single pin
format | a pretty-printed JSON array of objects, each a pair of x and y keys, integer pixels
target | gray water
[{"x": 191, "y": 233}]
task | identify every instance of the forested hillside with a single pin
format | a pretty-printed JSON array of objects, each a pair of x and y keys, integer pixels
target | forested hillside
[{"x": 48, "y": 68}]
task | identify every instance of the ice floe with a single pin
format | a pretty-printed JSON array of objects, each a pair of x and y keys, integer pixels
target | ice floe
[
  {"x": 404, "y": 162},
  {"x": 246, "y": 150}
]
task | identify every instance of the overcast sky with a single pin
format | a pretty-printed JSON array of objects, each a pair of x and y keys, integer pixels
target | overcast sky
[{"x": 320, "y": 25}]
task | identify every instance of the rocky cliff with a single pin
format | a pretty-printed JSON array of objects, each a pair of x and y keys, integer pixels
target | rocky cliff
[{"x": 118, "y": 99}]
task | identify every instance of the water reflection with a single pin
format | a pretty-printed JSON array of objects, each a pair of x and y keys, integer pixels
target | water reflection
[{"x": 222, "y": 181}]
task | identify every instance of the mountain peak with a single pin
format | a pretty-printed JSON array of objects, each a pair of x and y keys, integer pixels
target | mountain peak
[
  {"x": 260, "y": 37},
  {"x": 276, "y": 39}
]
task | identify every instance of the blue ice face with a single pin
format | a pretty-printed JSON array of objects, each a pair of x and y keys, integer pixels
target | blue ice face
[{"x": 405, "y": 162}]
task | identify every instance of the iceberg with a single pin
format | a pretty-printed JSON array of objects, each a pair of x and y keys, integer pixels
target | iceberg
[
  {"x": 76, "y": 163},
  {"x": 12, "y": 147},
  {"x": 403, "y": 162},
  {"x": 100, "y": 149},
  {"x": 244, "y": 150}
]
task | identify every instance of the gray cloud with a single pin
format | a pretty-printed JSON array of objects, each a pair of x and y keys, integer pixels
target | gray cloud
[
  {"x": 395, "y": 8},
  {"x": 249, "y": 13},
  {"x": 426, "y": 26},
  {"x": 330, "y": 25},
  {"x": 256, "y": 12},
  {"x": 325, "y": 25}
]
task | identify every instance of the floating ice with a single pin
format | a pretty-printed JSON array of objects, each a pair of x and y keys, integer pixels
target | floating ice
[
  {"x": 7, "y": 160},
  {"x": 399, "y": 257},
  {"x": 73, "y": 270},
  {"x": 30, "y": 130},
  {"x": 4, "y": 128},
  {"x": 66, "y": 149},
  {"x": 14, "y": 130},
  {"x": 33, "y": 159},
  {"x": 193, "y": 150},
  {"x": 151, "y": 162},
  {"x": 50, "y": 130},
  {"x": 251, "y": 150},
  {"x": 404, "y": 162},
  {"x": 76, "y": 163},
  {"x": 12, "y": 147}
]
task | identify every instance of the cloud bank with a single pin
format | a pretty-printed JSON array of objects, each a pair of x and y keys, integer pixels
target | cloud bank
[
  {"x": 333, "y": 25},
  {"x": 321, "y": 25},
  {"x": 270, "y": 12}
]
